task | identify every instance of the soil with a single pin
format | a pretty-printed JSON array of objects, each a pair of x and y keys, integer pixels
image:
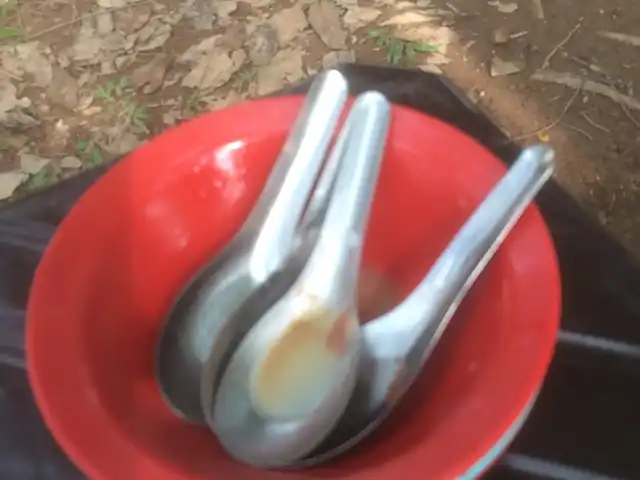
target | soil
[{"x": 83, "y": 81}]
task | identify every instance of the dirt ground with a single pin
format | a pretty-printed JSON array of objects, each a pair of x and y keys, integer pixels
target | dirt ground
[{"x": 82, "y": 81}]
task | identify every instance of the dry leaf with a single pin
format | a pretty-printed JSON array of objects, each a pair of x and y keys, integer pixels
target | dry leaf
[
  {"x": 333, "y": 59},
  {"x": 153, "y": 35},
  {"x": 150, "y": 76},
  {"x": 113, "y": 3},
  {"x": 71, "y": 163},
  {"x": 284, "y": 69},
  {"x": 195, "y": 52},
  {"x": 325, "y": 18},
  {"x": 214, "y": 70},
  {"x": 288, "y": 24},
  {"x": 504, "y": 7},
  {"x": 33, "y": 58},
  {"x": 358, "y": 17},
  {"x": 32, "y": 164},
  {"x": 263, "y": 45},
  {"x": 63, "y": 89},
  {"x": 9, "y": 182},
  {"x": 12, "y": 107}
]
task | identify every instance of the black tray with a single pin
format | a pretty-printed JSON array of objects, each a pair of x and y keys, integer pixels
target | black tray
[{"x": 586, "y": 422}]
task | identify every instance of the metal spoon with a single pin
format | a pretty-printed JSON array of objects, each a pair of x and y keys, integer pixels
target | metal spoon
[
  {"x": 397, "y": 344},
  {"x": 291, "y": 377},
  {"x": 259, "y": 249},
  {"x": 232, "y": 329}
]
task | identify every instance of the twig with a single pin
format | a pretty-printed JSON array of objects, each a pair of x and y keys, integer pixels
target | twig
[
  {"x": 597, "y": 125},
  {"x": 556, "y": 121},
  {"x": 82, "y": 18},
  {"x": 574, "y": 81},
  {"x": 632, "y": 40},
  {"x": 578, "y": 130},
  {"x": 547, "y": 60}
]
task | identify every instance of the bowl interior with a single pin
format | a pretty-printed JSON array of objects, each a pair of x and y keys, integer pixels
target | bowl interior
[{"x": 123, "y": 253}]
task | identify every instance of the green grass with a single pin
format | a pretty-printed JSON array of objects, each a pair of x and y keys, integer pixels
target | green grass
[{"x": 399, "y": 50}]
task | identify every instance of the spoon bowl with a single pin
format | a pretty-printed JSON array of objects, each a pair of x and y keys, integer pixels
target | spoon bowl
[
  {"x": 290, "y": 378},
  {"x": 256, "y": 252}
]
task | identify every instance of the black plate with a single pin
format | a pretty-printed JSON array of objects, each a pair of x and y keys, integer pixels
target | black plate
[{"x": 586, "y": 423}]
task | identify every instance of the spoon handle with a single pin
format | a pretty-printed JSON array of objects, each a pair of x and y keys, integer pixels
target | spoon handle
[
  {"x": 424, "y": 315},
  {"x": 331, "y": 272},
  {"x": 278, "y": 211}
]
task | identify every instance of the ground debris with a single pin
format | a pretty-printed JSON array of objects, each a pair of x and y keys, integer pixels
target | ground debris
[
  {"x": 574, "y": 81},
  {"x": 325, "y": 18},
  {"x": 632, "y": 40}
]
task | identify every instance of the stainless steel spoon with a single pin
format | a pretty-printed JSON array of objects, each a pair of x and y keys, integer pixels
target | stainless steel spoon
[
  {"x": 291, "y": 377},
  {"x": 397, "y": 344},
  {"x": 255, "y": 253}
]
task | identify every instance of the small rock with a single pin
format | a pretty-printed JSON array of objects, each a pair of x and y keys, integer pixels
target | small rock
[
  {"x": 288, "y": 24},
  {"x": 501, "y": 35},
  {"x": 335, "y": 58},
  {"x": 63, "y": 89},
  {"x": 325, "y": 18},
  {"x": 71, "y": 163},
  {"x": 263, "y": 45}
]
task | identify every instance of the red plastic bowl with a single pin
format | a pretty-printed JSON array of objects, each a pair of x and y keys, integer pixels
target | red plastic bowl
[{"x": 122, "y": 254}]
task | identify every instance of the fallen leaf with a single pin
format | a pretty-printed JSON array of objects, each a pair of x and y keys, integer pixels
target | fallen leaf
[
  {"x": 113, "y": 3},
  {"x": 150, "y": 76},
  {"x": 225, "y": 8},
  {"x": 284, "y": 69},
  {"x": 33, "y": 58},
  {"x": 336, "y": 58},
  {"x": 32, "y": 164},
  {"x": 504, "y": 7},
  {"x": 153, "y": 35},
  {"x": 195, "y": 52},
  {"x": 171, "y": 117},
  {"x": 12, "y": 141},
  {"x": 263, "y": 45},
  {"x": 358, "y": 17},
  {"x": 71, "y": 163},
  {"x": 288, "y": 24},
  {"x": 201, "y": 13},
  {"x": 325, "y": 18},
  {"x": 234, "y": 36},
  {"x": 10, "y": 181},
  {"x": 431, "y": 69},
  {"x": 128, "y": 20},
  {"x": 63, "y": 89},
  {"x": 216, "y": 102},
  {"x": 104, "y": 23},
  {"x": 214, "y": 70},
  {"x": 500, "y": 67},
  {"x": 12, "y": 107}
]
